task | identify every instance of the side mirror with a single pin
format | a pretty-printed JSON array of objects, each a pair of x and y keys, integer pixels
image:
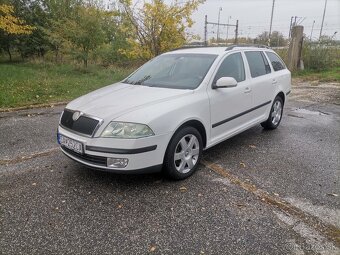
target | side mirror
[{"x": 225, "y": 82}]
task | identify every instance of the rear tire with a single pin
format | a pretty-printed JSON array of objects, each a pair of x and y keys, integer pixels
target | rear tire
[
  {"x": 183, "y": 153},
  {"x": 275, "y": 114}
]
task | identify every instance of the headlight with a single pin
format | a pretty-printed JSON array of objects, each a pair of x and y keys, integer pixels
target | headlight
[{"x": 126, "y": 130}]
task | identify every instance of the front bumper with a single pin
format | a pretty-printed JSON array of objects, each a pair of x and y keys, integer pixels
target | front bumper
[{"x": 143, "y": 154}]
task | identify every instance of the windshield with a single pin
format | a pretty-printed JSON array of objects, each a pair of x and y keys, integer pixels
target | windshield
[{"x": 177, "y": 71}]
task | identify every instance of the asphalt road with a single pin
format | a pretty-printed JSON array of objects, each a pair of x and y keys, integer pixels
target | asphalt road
[{"x": 261, "y": 192}]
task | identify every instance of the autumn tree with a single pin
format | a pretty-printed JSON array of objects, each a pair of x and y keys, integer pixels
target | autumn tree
[
  {"x": 157, "y": 27},
  {"x": 10, "y": 26}
]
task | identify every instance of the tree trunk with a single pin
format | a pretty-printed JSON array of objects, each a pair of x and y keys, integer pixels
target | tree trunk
[{"x": 9, "y": 54}]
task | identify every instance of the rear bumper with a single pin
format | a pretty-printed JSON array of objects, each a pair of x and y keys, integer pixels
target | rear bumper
[{"x": 143, "y": 155}]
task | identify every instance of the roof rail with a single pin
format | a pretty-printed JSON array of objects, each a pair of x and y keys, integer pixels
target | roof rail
[
  {"x": 246, "y": 45},
  {"x": 197, "y": 46}
]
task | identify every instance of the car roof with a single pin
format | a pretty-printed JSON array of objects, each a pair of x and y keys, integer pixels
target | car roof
[{"x": 217, "y": 50}]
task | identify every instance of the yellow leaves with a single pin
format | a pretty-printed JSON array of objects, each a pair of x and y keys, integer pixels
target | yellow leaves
[
  {"x": 158, "y": 27},
  {"x": 183, "y": 189},
  {"x": 6, "y": 9},
  {"x": 11, "y": 24}
]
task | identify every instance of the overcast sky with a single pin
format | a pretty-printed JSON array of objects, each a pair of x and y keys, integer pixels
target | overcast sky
[{"x": 254, "y": 16}]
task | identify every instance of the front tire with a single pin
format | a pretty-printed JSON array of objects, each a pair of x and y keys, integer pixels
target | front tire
[
  {"x": 275, "y": 115},
  {"x": 183, "y": 153}
]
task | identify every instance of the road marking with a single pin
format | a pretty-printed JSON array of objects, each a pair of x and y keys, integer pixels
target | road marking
[
  {"x": 31, "y": 156},
  {"x": 329, "y": 231},
  {"x": 313, "y": 240}
]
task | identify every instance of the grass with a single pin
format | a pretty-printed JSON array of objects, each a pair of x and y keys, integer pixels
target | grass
[
  {"x": 23, "y": 84},
  {"x": 329, "y": 75}
]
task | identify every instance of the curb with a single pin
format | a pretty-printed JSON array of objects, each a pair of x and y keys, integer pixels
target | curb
[{"x": 48, "y": 105}]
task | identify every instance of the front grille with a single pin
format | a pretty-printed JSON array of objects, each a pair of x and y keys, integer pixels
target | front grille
[
  {"x": 96, "y": 160},
  {"x": 84, "y": 125}
]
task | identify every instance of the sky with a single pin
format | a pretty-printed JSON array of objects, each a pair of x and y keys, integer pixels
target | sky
[{"x": 254, "y": 17}]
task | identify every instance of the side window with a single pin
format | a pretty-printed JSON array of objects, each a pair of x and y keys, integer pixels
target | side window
[
  {"x": 276, "y": 61},
  {"x": 232, "y": 66},
  {"x": 258, "y": 64}
]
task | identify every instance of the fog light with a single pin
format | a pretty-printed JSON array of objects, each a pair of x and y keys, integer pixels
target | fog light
[{"x": 117, "y": 162}]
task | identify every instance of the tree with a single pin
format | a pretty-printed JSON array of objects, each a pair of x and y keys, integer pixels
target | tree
[
  {"x": 84, "y": 31},
  {"x": 53, "y": 28},
  {"x": 157, "y": 27},
  {"x": 276, "y": 39},
  {"x": 11, "y": 24},
  {"x": 11, "y": 27}
]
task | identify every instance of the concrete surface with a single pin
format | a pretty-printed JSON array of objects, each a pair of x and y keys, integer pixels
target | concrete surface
[{"x": 261, "y": 192}]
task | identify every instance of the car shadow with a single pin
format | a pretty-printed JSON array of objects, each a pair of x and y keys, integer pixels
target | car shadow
[{"x": 225, "y": 149}]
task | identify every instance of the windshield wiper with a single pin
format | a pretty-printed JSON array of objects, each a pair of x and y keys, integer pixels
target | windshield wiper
[{"x": 141, "y": 81}]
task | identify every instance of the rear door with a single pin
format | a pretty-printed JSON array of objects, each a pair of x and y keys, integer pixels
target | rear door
[
  {"x": 262, "y": 83},
  {"x": 281, "y": 73}
]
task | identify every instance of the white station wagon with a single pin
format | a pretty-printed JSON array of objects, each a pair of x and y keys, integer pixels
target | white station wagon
[{"x": 173, "y": 107}]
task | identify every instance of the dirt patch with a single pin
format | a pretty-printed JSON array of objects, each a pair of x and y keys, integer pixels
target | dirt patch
[{"x": 314, "y": 91}]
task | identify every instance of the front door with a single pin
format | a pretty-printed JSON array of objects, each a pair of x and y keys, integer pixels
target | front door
[{"x": 229, "y": 105}]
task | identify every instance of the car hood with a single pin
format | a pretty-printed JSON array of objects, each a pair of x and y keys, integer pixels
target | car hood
[{"x": 115, "y": 100}]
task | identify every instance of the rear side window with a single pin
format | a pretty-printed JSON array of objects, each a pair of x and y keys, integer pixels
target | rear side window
[
  {"x": 232, "y": 66},
  {"x": 258, "y": 64},
  {"x": 276, "y": 61}
]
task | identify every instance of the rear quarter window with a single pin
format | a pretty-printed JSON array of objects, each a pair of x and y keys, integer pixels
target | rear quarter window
[
  {"x": 258, "y": 63},
  {"x": 276, "y": 61}
]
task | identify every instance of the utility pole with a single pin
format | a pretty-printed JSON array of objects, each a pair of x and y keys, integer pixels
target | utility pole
[
  {"x": 311, "y": 33},
  {"x": 323, "y": 19},
  {"x": 206, "y": 30},
  {"x": 295, "y": 48},
  {"x": 229, "y": 17},
  {"x": 218, "y": 25},
  {"x": 290, "y": 27},
  {"x": 271, "y": 23},
  {"x": 236, "y": 32}
]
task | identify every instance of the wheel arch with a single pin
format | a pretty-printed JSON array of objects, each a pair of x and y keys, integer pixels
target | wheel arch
[
  {"x": 282, "y": 96},
  {"x": 198, "y": 125}
]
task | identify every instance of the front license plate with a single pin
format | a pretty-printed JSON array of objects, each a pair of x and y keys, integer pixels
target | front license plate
[{"x": 71, "y": 144}]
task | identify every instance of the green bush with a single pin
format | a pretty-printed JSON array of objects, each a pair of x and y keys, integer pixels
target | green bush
[{"x": 318, "y": 56}]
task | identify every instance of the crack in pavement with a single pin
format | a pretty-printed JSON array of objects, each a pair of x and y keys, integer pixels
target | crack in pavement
[
  {"x": 331, "y": 232},
  {"x": 19, "y": 159}
]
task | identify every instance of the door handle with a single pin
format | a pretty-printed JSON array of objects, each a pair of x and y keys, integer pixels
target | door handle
[
  {"x": 274, "y": 81},
  {"x": 247, "y": 90}
]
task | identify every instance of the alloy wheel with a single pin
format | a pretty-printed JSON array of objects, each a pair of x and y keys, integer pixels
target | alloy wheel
[
  {"x": 276, "y": 113},
  {"x": 186, "y": 153}
]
